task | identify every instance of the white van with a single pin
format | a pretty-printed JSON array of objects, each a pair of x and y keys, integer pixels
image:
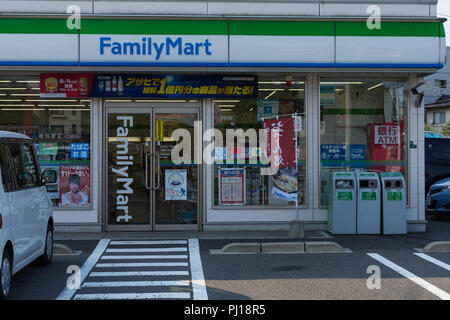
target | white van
[{"x": 26, "y": 216}]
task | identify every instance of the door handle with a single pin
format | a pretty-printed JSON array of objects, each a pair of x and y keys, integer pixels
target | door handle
[
  {"x": 147, "y": 157},
  {"x": 158, "y": 175}
]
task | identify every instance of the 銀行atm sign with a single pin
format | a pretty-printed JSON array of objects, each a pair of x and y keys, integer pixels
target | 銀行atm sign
[{"x": 387, "y": 134}]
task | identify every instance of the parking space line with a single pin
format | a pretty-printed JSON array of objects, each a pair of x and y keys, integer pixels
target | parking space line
[
  {"x": 434, "y": 261},
  {"x": 424, "y": 284},
  {"x": 67, "y": 293},
  {"x": 198, "y": 279}
]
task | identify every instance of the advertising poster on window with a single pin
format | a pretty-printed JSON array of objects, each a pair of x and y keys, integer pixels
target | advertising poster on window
[
  {"x": 175, "y": 184},
  {"x": 74, "y": 185},
  {"x": 232, "y": 186},
  {"x": 66, "y": 85},
  {"x": 285, "y": 184}
]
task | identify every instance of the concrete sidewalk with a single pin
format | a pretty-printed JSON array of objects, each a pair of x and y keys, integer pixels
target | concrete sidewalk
[{"x": 188, "y": 235}]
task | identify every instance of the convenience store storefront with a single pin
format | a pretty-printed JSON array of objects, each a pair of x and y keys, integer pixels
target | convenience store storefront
[{"x": 103, "y": 105}]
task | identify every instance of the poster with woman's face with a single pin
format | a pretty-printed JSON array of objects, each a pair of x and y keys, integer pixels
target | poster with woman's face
[{"x": 74, "y": 185}]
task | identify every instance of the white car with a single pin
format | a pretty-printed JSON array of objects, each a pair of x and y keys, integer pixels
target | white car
[{"x": 26, "y": 215}]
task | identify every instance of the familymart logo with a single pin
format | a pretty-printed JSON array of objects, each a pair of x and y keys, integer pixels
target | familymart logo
[{"x": 154, "y": 46}]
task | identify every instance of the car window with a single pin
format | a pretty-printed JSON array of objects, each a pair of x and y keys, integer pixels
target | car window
[
  {"x": 431, "y": 147},
  {"x": 4, "y": 168},
  {"x": 443, "y": 151},
  {"x": 23, "y": 165}
]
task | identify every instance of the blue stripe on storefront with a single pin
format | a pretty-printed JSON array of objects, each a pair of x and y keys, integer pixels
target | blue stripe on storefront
[
  {"x": 153, "y": 64},
  {"x": 38, "y": 63},
  {"x": 390, "y": 65},
  {"x": 225, "y": 64}
]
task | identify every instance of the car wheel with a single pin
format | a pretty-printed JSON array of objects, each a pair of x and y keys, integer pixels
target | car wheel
[
  {"x": 46, "y": 258},
  {"x": 5, "y": 275}
]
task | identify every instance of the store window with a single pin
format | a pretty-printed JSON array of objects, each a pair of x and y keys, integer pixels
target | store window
[
  {"x": 242, "y": 178},
  {"x": 362, "y": 128},
  {"x": 60, "y": 130}
]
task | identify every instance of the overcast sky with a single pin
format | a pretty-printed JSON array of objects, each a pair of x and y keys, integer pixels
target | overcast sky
[{"x": 443, "y": 10}]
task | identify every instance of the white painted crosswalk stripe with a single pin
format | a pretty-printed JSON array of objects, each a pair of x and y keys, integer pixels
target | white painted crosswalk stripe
[
  {"x": 111, "y": 284},
  {"x": 133, "y": 296},
  {"x": 146, "y": 250},
  {"x": 159, "y": 271},
  {"x": 434, "y": 261},
  {"x": 141, "y": 264},
  {"x": 143, "y": 257},
  {"x": 138, "y": 273},
  {"x": 152, "y": 242}
]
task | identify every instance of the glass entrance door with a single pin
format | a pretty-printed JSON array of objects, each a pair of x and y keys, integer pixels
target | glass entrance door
[{"x": 152, "y": 179}]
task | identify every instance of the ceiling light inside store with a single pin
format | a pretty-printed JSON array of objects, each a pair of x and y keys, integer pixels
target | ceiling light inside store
[
  {"x": 28, "y": 81},
  {"x": 226, "y": 110},
  {"x": 26, "y": 94},
  {"x": 17, "y": 105},
  {"x": 375, "y": 86},
  {"x": 227, "y": 101},
  {"x": 15, "y": 88},
  {"x": 5, "y": 81},
  {"x": 270, "y": 95},
  {"x": 52, "y": 109},
  {"x": 10, "y": 100},
  {"x": 22, "y": 109},
  {"x": 226, "y": 105},
  {"x": 343, "y": 82},
  {"x": 279, "y": 82},
  {"x": 48, "y": 100},
  {"x": 61, "y": 105}
]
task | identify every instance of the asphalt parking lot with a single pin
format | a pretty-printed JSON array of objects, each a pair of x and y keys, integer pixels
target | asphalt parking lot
[{"x": 187, "y": 270}]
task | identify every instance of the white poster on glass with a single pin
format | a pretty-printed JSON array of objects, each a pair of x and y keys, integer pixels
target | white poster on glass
[{"x": 175, "y": 185}]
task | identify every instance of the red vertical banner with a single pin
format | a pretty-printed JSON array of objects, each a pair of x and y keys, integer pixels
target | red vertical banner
[
  {"x": 385, "y": 144},
  {"x": 280, "y": 141}
]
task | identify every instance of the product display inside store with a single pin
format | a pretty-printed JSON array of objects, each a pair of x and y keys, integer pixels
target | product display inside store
[
  {"x": 60, "y": 129},
  {"x": 281, "y": 106},
  {"x": 362, "y": 127}
]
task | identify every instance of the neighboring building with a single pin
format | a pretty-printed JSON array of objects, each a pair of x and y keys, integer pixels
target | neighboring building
[
  {"x": 103, "y": 103},
  {"x": 437, "y": 98}
]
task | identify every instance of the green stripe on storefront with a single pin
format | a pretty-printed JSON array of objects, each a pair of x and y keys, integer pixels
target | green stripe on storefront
[
  {"x": 221, "y": 27},
  {"x": 178, "y": 27},
  {"x": 391, "y": 29},
  {"x": 35, "y": 26},
  {"x": 282, "y": 28}
]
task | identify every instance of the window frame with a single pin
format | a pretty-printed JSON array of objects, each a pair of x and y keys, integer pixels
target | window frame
[
  {"x": 214, "y": 206},
  {"x": 387, "y": 78}
]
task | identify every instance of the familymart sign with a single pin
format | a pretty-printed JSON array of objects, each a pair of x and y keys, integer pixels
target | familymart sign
[{"x": 221, "y": 43}]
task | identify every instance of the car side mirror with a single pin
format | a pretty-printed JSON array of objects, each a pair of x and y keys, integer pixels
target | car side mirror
[{"x": 49, "y": 176}]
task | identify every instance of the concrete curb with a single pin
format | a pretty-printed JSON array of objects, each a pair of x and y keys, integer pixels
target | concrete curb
[
  {"x": 280, "y": 247},
  {"x": 323, "y": 246},
  {"x": 438, "y": 246}
]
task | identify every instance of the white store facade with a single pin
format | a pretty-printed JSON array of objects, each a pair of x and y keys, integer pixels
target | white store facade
[{"x": 156, "y": 67}]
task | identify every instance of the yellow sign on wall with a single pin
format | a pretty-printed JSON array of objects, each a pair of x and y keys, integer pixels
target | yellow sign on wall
[{"x": 159, "y": 130}]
